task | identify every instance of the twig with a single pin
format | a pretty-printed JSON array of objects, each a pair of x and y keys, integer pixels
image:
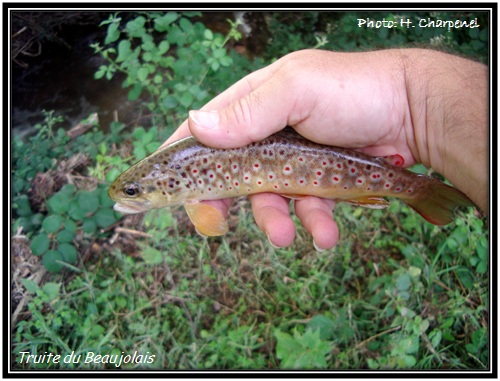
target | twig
[
  {"x": 390, "y": 330},
  {"x": 133, "y": 232}
]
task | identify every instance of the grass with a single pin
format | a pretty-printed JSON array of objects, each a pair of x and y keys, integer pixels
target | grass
[{"x": 395, "y": 293}]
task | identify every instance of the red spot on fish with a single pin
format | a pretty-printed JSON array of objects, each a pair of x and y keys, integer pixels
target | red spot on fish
[
  {"x": 315, "y": 183},
  {"x": 368, "y": 188},
  {"x": 286, "y": 184},
  {"x": 256, "y": 165},
  {"x": 227, "y": 177},
  {"x": 194, "y": 171},
  {"x": 409, "y": 191},
  {"x": 259, "y": 182},
  {"x": 319, "y": 173},
  {"x": 275, "y": 187},
  {"x": 301, "y": 159},
  {"x": 219, "y": 166},
  {"x": 271, "y": 177},
  {"x": 390, "y": 174},
  {"x": 353, "y": 170},
  {"x": 339, "y": 166},
  {"x": 236, "y": 184},
  {"x": 359, "y": 181},
  {"x": 205, "y": 160},
  {"x": 246, "y": 177},
  {"x": 398, "y": 189},
  {"x": 387, "y": 185},
  {"x": 163, "y": 193},
  {"x": 325, "y": 163},
  {"x": 301, "y": 181},
  {"x": 335, "y": 178},
  {"x": 287, "y": 169}
]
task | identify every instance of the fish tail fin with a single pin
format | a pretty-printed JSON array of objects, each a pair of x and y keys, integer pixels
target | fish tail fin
[{"x": 439, "y": 203}]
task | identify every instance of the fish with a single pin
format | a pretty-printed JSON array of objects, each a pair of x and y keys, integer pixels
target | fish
[{"x": 187, "y": 172}]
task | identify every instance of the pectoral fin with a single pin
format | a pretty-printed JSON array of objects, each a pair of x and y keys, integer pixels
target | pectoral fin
[
  {"x": 369, "y": 202},
  {"x": 207, "y": 220}
]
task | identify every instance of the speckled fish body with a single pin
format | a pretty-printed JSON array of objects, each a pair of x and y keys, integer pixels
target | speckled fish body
[{"x": 187, "y": 172}]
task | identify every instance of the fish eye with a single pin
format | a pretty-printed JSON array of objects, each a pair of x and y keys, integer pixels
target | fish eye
[{"x": 132, "y": 190}]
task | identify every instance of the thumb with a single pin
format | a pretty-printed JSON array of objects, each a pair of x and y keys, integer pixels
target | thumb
[{"x": 253, "y": 117}]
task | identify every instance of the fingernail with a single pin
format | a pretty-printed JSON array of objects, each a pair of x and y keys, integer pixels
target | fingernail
[
  {"x": 319, "y": 249},
  {"x": 272, "y": 244},
  {"x": 205, "y": 119}
]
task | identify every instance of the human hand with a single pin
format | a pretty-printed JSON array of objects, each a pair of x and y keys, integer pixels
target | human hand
[{"x": 354, "y": 100}]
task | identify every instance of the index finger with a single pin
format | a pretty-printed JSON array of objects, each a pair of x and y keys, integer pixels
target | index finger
[{"x": 238, "y": 90}]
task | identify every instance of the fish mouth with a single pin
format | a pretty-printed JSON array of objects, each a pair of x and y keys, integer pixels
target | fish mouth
[{"x": 130, "y": 207}]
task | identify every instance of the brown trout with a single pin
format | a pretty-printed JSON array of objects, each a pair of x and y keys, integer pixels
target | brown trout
[{"x": 187, "y": 172}]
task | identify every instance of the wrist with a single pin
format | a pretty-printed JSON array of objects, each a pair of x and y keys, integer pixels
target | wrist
[{"x": 448, "y": 117}]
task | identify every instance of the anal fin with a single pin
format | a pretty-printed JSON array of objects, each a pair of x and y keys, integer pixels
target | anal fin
[
  {"x": 369, "y": 202},
  {"x": 207, "y": 220}
]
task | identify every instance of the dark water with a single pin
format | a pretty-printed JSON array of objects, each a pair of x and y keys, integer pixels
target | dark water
[{"x": 61, "y": 79}]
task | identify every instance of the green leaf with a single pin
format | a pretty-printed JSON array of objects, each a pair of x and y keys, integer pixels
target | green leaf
[
  {"x": 208, "y": 34},
  {"x": 65, "y": 235},
  {"x": 301, "y": 351},
  {"x": 51, "y": 289},
  {"x": 75, "y": 212},
  {"x": 30, "y": 285},
  {"x": 186, "y": 100},
  {"x": 52, "y": 223},
  {"x": 226, "y": 61},
  {"x": 88, "y": 202},
  {"x": 161, "y": 24},
  {"x": 40, "y": 244},
  {"x": 135, "y": 93},
  {"x": 68, "y": 252},
  {"x": 124, "y": 50},
  {"x": 142, "y": 74},
  {"x": 135, "y": 28},
  {"x": 105, "y": 218},
  {"x": 23, "y": 208},
  {"x": 403, "y": 282},
  {"x": 185, "y": 25},
  {"x": 89, "y": 226},
  {"x": 435, "y": 337},
  {"x": 113, "y": 33},
  {"x": 170, "y": 102},
  {"x": 51, "y": 261},
  {"x": 163, "y": 47},
  {"x": 152, "y": 256},
  {"x": 325, "y": 326}
]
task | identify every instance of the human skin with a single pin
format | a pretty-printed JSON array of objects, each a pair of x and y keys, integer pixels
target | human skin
[{"x": 427, "y": 106}]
